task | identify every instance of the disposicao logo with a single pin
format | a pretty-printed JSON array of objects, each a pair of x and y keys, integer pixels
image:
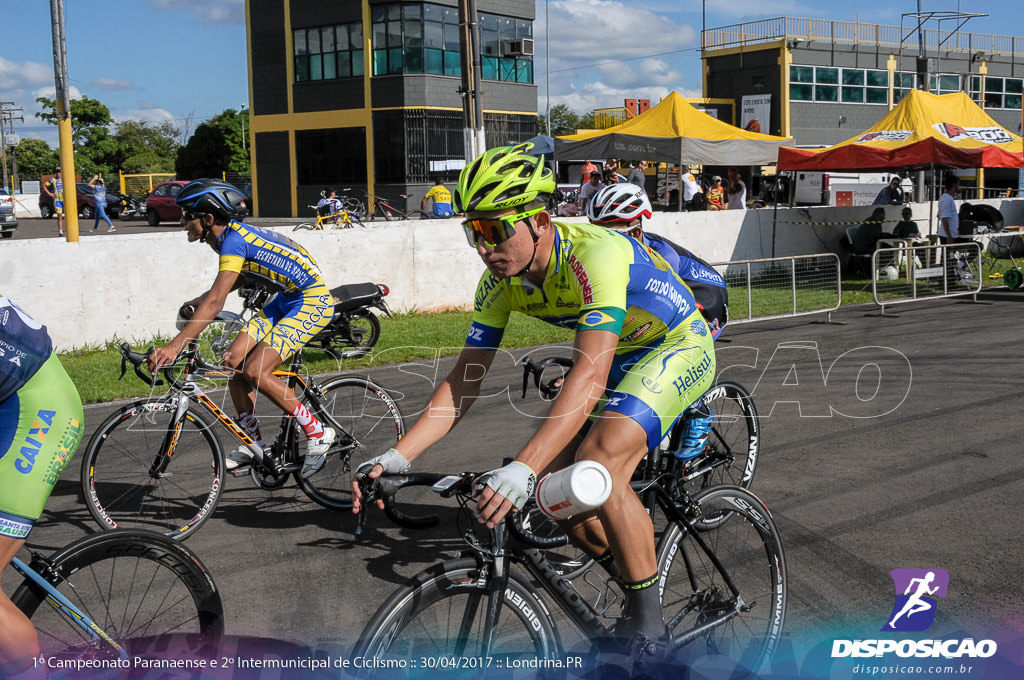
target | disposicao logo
[{"x": 914, "y": 610}]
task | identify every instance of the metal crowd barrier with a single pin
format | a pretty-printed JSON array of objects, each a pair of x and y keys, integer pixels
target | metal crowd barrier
[
  {"x": 908, "y": 272},
  {"x": 773, "y": 288}
]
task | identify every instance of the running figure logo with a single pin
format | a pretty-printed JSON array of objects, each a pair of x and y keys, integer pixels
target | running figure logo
[{"x": 914, "y": 609}]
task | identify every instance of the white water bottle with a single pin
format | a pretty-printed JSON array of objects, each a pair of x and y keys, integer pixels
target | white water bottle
[{"x": 579, "y": 488}]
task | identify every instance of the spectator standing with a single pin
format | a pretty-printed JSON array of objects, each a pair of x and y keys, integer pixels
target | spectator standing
[
  {"x": 891, "y": 194},
  {"x": 637, "y": 175},
  {"x": 690, "y": 189},
  {"x": 442, "y": 200},
  {"x": 588, "y": 168},
  {"x": 716, "y": 194},
  {"x": 99, "y": 193},
  {"x": 589, "y": 189},
  {"x": 54, "y": 188},
  {"x": 949, "y": 218},
  {"x": 737, "y": 191}
]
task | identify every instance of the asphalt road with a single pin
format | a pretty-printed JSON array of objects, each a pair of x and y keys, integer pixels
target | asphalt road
[{"x": 888, "y": 442}]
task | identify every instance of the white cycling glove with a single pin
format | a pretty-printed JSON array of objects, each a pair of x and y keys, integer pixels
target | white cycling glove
[
  {"x": 393, "y": 462},
  {"x": 515, "y": 482}
]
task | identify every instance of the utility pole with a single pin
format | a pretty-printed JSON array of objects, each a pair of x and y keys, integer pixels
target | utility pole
[
  {"x": 67, "y": 151},
  {"x": 8, "y": 113},
  {"x": 472, "y": 106}
]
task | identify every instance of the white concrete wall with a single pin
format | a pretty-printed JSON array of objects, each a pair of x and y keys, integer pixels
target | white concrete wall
[{"x": 130, "y": 286}]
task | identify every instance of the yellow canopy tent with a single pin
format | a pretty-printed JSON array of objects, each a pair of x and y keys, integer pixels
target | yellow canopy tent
[{"x": 674, "y": 132}]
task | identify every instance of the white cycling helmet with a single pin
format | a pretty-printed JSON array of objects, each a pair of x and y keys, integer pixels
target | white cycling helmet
[{"x": 617, "y": 205}]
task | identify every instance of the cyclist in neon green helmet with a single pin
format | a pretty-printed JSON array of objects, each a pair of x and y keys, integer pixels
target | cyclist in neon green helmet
[{"x": 642, "y": 354}]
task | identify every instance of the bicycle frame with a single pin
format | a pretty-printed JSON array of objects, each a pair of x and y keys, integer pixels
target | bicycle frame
[{"x": 65, "y": 606}]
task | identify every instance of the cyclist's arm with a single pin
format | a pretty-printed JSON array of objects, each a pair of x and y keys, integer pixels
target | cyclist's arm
[
  {"x": 212, "y": 302},
  {"x": 593, "y": 352}
]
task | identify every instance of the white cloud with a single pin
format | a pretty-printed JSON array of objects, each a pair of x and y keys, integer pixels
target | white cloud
[
  {"x": 147, "y": 114},
  {"x": 207, "y": 11},
  {"x": 112, "y": 84}
]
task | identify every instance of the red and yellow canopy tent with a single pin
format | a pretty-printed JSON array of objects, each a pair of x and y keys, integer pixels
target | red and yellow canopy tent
[{"x": 924, "y": 131}]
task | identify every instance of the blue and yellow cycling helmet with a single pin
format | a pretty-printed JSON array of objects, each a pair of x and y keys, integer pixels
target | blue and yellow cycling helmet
[
  {"x": 212, "y": 196},
  {"x": 503, "y": 177}
]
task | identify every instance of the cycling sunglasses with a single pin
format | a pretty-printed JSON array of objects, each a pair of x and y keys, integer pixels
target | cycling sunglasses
[{"x": 493, "y": 232}]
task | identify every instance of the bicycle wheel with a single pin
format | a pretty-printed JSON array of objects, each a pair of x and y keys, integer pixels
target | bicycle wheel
[
  {"x": 439, "y": 614},
  {"x": 354, "y": 339},
  {"x": 367, "y": 422},
  {"x": 419, "y": 215},
  {"x": 150, "y": 594},
  {"x": 354, "y": 207},
  {"x": 705, "y": 616},
  {"x": 304, "y": 225},
  {"x": 734, "y": 442},
  {"x": 119, "y": 489}
]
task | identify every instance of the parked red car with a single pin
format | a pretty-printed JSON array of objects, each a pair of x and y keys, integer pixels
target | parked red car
[{"x": 160, "y": 206}]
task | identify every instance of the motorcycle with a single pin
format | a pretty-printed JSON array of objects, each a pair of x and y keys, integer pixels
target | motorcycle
[
  {"x": 352, "y": 332},
  {"x": 132, "y": 207}
]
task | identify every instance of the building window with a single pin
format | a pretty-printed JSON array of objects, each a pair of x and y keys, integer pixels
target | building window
[
  {"x": 945, "y": 83},
  {"x": 328, "y": 52},
  {"x": 832, "y": 84},
  {"x": 1000, "y": 93}
]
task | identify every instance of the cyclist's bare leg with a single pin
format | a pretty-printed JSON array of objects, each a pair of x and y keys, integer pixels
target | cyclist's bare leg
[
  {"x": 257, "y": 362},
  {"x": 19, "y": 644}
]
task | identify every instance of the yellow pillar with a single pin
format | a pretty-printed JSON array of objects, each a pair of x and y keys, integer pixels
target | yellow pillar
[{"x": 67, "y": 172}]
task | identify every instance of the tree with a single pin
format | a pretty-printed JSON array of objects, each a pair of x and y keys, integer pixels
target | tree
[
  {"x": 35, "y": 159},
  {"x": 95, "y": 148},
  {"x": 216, "y": 147},
  {"x": 145, "y": 147},
  {"x": 565, "y": 121}
]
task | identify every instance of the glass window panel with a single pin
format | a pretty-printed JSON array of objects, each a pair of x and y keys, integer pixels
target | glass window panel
[
  {"x": 433, "y": 12},
  {"x": 355, "y": 35},
  {"x": 300, "y": 42},
  {"x": 524, "y": 28},
  {"x": 488, "y": 22},
  {"x": 1014, "y": 85},
  {"x": 313, "y": 41},
  {"x": 330, "y": 66},
  {"x": 826, "y": 93},
  {"x": 949, "y": 83},
  {"x": 878, "y": 78},
  {"x": 993, "y": 84},
  {"x": 301, "y": 69},
  {"x": 908, "y": 81},
  {"x": 380, "y": 62},
  {"x": 853, "y": 95},
  {"x": 412, "y": 11},
  {"x": 315, "y": 70},
  {"x": 828, "y": 76},
  {"x": 489, "y": 42},
  {"x": 452, "y": 64},
  {"x": 413, "y": 57},
  {"x": 394, "y": 34},
  {"x": 451, "y": 37},
  {"x": 853, "y": 76},
  {"x": 357, "y": 63},
  {"x": 801, "y": 74},
  {"x": 489, "y": 68},
  {"x": 395, "y": 60},
  {"x": 327, "y": 39},
  {"x": 451, "y": 15},
  {"x": 344, "y": 64},
  {"x": 507, "y": 69},
  {"x": 394, "y": 12},
  {"x": 525, "y": 71},
  {"x": 433, "y": 35},
  {"x": 414, "y": 33},
  {"x": 341, "y": 37},
  {"x": 1012, "y": 101},
  {"x": 876, "y": 95},
  {"x": 433, "y": 61},
  {"x": 506, "y": 28},
  {"x": 380, "y": 39},
  {"x": 378, "y": 13},
  {"x": 799, "y": 92},
  {"x": 993, "y": 100}
]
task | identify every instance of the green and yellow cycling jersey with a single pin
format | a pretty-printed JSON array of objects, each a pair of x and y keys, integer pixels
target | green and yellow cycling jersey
[{"x": 597, "y": 279}]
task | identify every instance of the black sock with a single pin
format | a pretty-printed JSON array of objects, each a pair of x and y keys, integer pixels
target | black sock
[
  {"x": 644, "y": 607},
  {"x": 607, "y": 562}
]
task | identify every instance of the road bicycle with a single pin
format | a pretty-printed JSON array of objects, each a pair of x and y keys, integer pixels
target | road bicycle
[
  {"x": 390, "y": 213},
  {"x": 157, "y": 464},
  {"x": 722, "y": 576},
  {"x": 108, "y": 598},
  {"x": 343, "y": 219}
]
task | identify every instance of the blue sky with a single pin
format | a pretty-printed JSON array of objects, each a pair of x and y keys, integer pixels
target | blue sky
[{"x": 184, "y": 60}]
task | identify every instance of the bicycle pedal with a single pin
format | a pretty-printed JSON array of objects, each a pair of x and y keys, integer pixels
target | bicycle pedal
[
  {"x": 240, "y": 471},
  {"x": 287, "y": 468}
]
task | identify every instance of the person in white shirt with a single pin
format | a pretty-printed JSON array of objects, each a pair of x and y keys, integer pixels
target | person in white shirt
[
  {"x": 737, "y": 191},
  {"x": 949, "y": 218}
]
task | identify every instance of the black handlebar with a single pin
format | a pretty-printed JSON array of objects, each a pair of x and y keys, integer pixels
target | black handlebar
[
  {"x": 537, "y": 368},
  {"x": 137, "y": 359},
  {"x": 384, "y": 488}
]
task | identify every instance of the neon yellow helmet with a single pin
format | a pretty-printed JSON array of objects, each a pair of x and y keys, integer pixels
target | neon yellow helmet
[{"x": 503, "y": 177}]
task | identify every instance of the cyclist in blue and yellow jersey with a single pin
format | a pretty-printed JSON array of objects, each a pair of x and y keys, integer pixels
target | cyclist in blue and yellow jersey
[
  {"x": 442, "y": 200},
  {"x": 41, "y": 424},
  {"x": 622, "y": 208},
  {"x": 302, "y": 309},
  {"x": 642, "y": 354}
]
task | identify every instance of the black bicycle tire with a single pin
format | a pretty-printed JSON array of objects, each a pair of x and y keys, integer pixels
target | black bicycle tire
[
  {"x": 342, "y": 348},
  {"x": 750, "y": 550},
  {"x": 304, "y": 225},
  {"x": 396, "y": 619},
  {"x": 189, "y": 604},
  {"x": 364, "y": 430},
  {"x": 128, "y": 463},
  {"x": 420, "y": 215}
]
